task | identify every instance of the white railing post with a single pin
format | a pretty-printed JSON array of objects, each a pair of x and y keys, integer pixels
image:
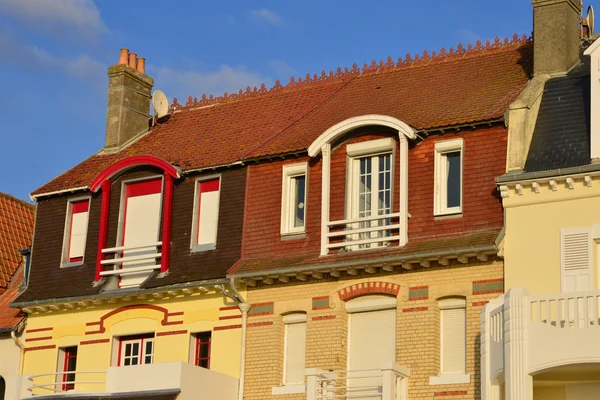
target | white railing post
[
  {"x": 519, "y": 384},
  {"x": 325, "y": 198},
  {"x": 312, "y": 383},
  {"x": 388, "y": 381},
  {"x": 394, "y": 382},
  {"x": 489, "y": 390}
]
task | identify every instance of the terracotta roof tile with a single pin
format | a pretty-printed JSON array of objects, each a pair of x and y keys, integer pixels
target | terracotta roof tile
[
  {"x": 448, "y": 244},
  {"x": 446, "y": 89}
]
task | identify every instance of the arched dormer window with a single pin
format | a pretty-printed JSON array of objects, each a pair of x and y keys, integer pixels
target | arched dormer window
[
  {"x": 369, "y": 212},
  {"x": 143, "y": 201}
]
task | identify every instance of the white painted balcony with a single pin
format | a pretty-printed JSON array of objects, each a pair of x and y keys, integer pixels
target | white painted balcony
[
  {"x": 363, "y": 233},
  {"x": 524, "y": 335},
  {"x": 390, "y": 382},
  {"x": 190, "y": 380},
  {"x": 132, "y": 264}
]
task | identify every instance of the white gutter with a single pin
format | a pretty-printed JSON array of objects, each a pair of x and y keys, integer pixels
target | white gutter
[{"x": 244, "y": 308}]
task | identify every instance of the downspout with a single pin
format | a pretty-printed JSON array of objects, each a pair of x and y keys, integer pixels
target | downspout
[
  {"x": 244, "y": 308},
  {"x": 13, "y": 335}
]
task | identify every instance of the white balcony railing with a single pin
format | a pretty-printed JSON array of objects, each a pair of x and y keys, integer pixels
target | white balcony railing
[
  {"x": 386, "y": 383},
  {"x": 363, "y": 233},
  {"x": 523, "y": 335},
  {"x": 59, "y": 381},
  {"x": 132, "y": 259}
]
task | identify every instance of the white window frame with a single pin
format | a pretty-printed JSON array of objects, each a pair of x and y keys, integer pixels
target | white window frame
[
  {"x": 288, "y": 209},
  {"x": 446, "y": 378},
  {"x": 193, "y": 240},
  {"x": 67, "y": 232},
  {"x": 292, "y": 319},
  {"x": 124, "y": 340},
  {"x": 440, "y": 171}
]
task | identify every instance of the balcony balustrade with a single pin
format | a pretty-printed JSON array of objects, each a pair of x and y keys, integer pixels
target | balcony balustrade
[
  {"x": 363, "y": 233},
  {"x": 128, "y": 260}
]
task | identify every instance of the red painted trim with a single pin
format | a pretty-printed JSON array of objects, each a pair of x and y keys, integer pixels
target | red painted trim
[
  {"x": 323, "y": 317},
  {"x": 168, "y": 333},
  {"x": 92, "y": 323},
  {"x": 263, "y": 304},
  {"x": 489, "y": 281},
  {"x": 419, "y": 298},
  {"x": 38, "y": 330},
  {"x": 51, "y": 346},
  {"x": 80, "y": 206},
  {"x": 260, "y": 314},
  {"x": 102, "y": 329},
  {"x": 103, "y": 228},
  {"x": 258, "y": 324},
  {"x": 199, "y": 343},
  {"x": 143, "y": 188},
  {"x": 418, "y": 287},
  {"x": 320, "y": 297},
  {"x": 131, "y": 162},
  {"x": 67, "y": 356},
  {"x": 415, "y": 309},
  {"x": 38, "y": 339},
  {"x": 321, "y": 308},
  {"x": 230, "y": 317},
  {"x": 97, "y": 341},
  {"x": 172, "y": 323},
  {"x": 489, "y": 291},
  {"x": 228, "y": 308},
  {"x": 174, "y": 314},
  {"x": 222, "y": 328},
  {"x": 166, "y": 228}
]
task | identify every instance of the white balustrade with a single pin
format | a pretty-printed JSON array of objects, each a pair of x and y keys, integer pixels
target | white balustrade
[
  {"x": 363, "y": 233},
  {"x": 58, "y": 381},
  {"x": 137, "y": 259}
]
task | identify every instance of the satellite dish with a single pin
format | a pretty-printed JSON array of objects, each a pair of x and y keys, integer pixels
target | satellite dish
[
  {"x": 590, "y": 20},
  {"x": 160, "y": 104}
]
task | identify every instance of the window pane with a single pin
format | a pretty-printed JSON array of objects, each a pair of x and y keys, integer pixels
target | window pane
[
  {"x": 453, "y": 179},
  {"x": 135, "y": 349},
  {"x": 127, "y": 350},
  {"x": 364, "y": 188},
  {"x": 299, "y": 184}
]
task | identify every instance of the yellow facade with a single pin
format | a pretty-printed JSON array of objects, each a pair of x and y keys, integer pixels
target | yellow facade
[
  {"x": 95, "y": 329},
  {"x": 533, "y": 222}
]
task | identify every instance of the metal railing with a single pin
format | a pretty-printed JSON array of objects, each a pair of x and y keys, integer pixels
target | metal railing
[
  {"x": 58, "y": 383},
  {"x": 387, "y": 383},
  {"x": 141, "y": 254},
  {"x": 363, "y": 233}
]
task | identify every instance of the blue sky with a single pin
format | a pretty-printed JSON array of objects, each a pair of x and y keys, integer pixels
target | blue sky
[{"x": 54, "y": 55}]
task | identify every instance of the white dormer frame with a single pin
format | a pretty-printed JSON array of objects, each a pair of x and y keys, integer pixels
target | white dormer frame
[
  {"x": 322, "y": 145},
  {"x": 594, "y": 52}
]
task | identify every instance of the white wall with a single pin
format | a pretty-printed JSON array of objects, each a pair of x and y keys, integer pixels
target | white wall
[{"x": 9, "y": 356}]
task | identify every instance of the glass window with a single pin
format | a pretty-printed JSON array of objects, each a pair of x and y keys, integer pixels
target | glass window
[
  {"x": 136, "y": 350},
  {"x": 69, "y": 355},
  {"x": 293, "y": 203},
  {"x": 206, "y": 215},
  {"x": 448, "y": 177},
  {"x": 202, "y": 349},
  {"x": 75, "y": 232}
]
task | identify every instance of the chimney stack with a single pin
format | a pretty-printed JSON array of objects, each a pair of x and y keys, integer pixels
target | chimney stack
[
  {"x": 555, "y": 35},
  {"x": 129, "y": 92}
]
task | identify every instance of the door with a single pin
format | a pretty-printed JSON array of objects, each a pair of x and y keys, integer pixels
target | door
[
  {"x": 371, "y": 344},
  {"x": 141, "y": 226}
]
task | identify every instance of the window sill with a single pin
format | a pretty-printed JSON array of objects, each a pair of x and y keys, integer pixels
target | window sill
[
  {"x": 293, "y": 235},
  {"x": 441, "y": 216},
  {"x": 288, "y": 389},
  {"x": 449, "y": 379},
  {"x": 72, "y": 264},
  {"x": 204, "y": 247}
]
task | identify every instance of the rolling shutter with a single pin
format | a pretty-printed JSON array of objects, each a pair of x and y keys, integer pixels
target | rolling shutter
[
  {"x": 295, "y": 348},
  {"x": 453, "y": 336},
  {"x": 78, "y": 230},
  {"x": 576, "y": 259}
]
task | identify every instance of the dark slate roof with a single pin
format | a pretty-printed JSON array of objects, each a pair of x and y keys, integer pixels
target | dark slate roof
[{"x": 561, "y": 138}]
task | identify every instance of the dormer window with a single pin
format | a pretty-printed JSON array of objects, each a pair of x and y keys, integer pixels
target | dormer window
[
  {"x": 206, "y": 213},
  {"x": 293, "y": 199},
  {"x": 448, "y": 177},
  {"x": 75, "y": 232}
]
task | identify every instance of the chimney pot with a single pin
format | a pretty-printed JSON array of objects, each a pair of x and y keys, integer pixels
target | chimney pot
[
  {"x": 123, "y": 56},
  {"x": 141, "y": 65},
  {"x": 132, "y": 60}
]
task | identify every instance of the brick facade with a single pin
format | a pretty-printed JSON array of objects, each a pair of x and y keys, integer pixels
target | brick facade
[{"x": 417, "y": 333}]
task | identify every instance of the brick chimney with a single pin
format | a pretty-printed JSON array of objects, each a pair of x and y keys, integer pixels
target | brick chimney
[
  {"x": 555, "y": 35},
  {"x": 129, "y": 91}
]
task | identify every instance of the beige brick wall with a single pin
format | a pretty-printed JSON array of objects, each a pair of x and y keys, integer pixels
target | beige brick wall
[{"x": 418, "y": 333}]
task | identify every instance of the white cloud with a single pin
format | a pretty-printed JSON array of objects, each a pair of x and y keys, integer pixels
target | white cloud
[
  {"x": 184, "y": 83},
  {"x": 267, "y": 16},
  {"x": 33, "y": 57},
  {"x": 55, "y": 15},
  {"x": 282, "y": 69}
]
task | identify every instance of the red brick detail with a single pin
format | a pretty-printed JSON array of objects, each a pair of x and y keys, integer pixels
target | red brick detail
[
  {"x": 419, "y": 298},
  {"x": 257, "y": 324},
  {"x": 360, "y": 289},
  {"x": 418, "y": 287},
  {"x": 489, "y": 281},
  {"x": 38, "y": 330},
  {"x": 479, "y": 303},
  {"x": 38, "y": 338},
  {"x": 323, "y": 317},
  {"x": 50, "y": 346},
  {"x": 268, "y": 303},
  {"x": 453, "y": 393},
  {"x": 85, "y": 342},
  {"x": 92, "y": 323},
  {"x": 490, "y": 291},
  {"x": 415, "y": 309},
  {"x": 223, "y": 328},
  {"x": 164, "y": 323},
  {"x": 230, "y": 317},
  {"x": 228, "y": 308},
  {"x": 174, "y": 314},
  {"x": 260, "y": 314},
  {"x": 320, "y": 297},
  {"x": 182, "y": 332},
  {"x": 321, "y": 308}
]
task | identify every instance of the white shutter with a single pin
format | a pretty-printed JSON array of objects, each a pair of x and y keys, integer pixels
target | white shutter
[
  {"x": 295, "y": 351},
  {"x": 576, "y": 259},
  {"x": 453, "y": 339}
]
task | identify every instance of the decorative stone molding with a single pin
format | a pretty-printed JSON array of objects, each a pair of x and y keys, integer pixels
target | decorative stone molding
[{"x": 360, "y": 289}]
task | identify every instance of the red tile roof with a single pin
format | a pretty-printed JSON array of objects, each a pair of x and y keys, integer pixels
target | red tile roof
[
  {"x": 447, "y": 89},
  {"x": 16, "y": 231}
]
